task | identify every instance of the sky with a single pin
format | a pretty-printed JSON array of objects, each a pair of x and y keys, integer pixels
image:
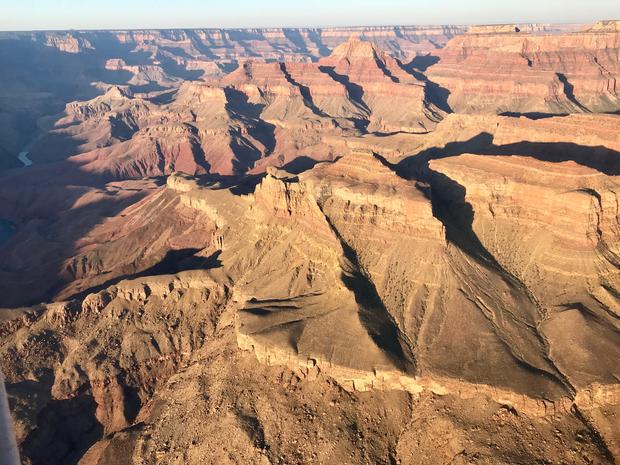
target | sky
[{"x": 137, "y": 14}]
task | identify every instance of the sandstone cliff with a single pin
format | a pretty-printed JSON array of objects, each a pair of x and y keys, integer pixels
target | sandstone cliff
[
  {"x": 231, "y": 124},
  {"x": 527, "y": 73},
  {"x": 329, "y": 283},
  {"x": 311, "y": 257}
]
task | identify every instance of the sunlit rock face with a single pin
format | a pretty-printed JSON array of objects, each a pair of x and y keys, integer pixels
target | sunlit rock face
[
  {"x": 503, "y": 71},
  {"x": 313, "y": 246}
]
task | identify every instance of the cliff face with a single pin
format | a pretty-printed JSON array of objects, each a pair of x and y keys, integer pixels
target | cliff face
[
  {"x": 348, "y": 280},
  {"x": 531, "y": 28},
  {"x": 260, "y": 114},
  {"x": 272, "y": 43},
  {"x": 526, "y": 73},
  {"x": 379, "y": 79},
  {"x": 568, "y": 259},
  {"x": 43, "y": 71},
  {"x": 312, "y": 260}
]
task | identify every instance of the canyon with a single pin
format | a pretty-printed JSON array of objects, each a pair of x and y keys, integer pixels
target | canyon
[{"x": 389, "y": 245}]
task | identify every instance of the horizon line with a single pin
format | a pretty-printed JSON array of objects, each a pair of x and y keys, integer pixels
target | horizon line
[{"x": 260, "y": 28}]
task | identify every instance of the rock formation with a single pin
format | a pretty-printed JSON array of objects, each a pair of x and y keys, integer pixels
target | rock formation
[
  {"x": 531, "y": 73},
  {"x": 375, "y": 80},
  {"x": 43, "y": 71},
  {"x": 378, "y": 291},
  {"x": 230, "y": 124},
  {"x": 323, "y": 258}
]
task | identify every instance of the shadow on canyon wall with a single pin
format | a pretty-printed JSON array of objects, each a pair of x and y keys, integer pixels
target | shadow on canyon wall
[
  {"x": 39, "y": 80},
  {"x": 373, "y": 314},
  {"x": 175, "y": 261},
  {"x": 600, "y": 158},
  {"x": 68, "y": 427},
  {"x": 448, "y": 197},
  {"x": 434, "y": 93}
]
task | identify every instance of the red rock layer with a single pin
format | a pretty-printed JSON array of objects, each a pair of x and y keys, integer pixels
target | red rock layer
[
  {"x": 258, "y": 115},
  {"x": 378, "y": 81},
  {"x": 524, "y": 73}
]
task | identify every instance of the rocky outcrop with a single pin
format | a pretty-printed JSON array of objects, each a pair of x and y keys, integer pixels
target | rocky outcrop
[
  {"x": 604, "y": 26},
  {"x": 309, "y": 258},
  {"x": 67, "y": 42},
  {"x": 116, "y": 348},
  {"x": 230, "y": 125},
  {"x": 345, "y": 280},
  {"x": 116, "y": 239},
  {"x": 527, "y": 73},
  {"x": 545, "y": 231},
  {"x": 142, "y": 75},
  {"x": 374, "y": 80}
]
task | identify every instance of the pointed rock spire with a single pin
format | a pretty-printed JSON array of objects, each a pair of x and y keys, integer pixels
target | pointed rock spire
[{"x": 356, "y": 48}]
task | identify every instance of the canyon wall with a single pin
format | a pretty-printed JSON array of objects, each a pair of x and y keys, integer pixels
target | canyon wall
[
  {"x": 281, "y": 246},
  {"x": 517, "y": 72}
]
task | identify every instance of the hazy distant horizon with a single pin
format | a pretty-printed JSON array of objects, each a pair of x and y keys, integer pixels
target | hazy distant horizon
[
  {"x": 328, "y": 26},
  {"x": 58, "y": 15}
]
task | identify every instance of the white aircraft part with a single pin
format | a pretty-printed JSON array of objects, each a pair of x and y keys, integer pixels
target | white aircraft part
[{"x": 8, "y": 446}]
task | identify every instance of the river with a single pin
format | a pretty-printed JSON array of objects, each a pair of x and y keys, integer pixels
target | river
[
  {"x": 7, "y": 229},
  {"x": 23, "y": 157}
]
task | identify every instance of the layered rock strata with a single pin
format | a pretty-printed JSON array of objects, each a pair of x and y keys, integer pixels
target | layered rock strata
[{"x": 528, "y": 73}]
